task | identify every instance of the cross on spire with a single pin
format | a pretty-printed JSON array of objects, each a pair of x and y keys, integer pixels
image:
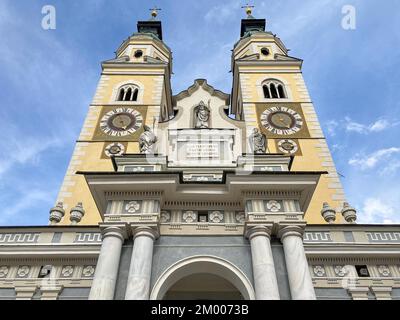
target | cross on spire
[
  {"x": 154, "y": 12},
  {"x": 249, "y": 10}
]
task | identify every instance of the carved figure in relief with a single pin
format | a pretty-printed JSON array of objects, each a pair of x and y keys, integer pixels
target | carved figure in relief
[
  {"x": 147, "y": 141},
  {"x": 258, "y": 142},
  {"x": 202, "y": 115}
]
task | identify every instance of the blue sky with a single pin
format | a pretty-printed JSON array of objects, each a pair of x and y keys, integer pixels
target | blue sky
[{"x": 48, "y": 79}]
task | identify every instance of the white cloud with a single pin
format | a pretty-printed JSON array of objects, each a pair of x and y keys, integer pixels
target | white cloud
[
  {"x": 18, "y": 148},
  {"x": 377, "y": 126},
  {"x": 383, "y": 156},
  {"x": 349, "y": 125},
  {"x": 223, "y": 12},
  {"x": 377, "y": 211},
  {"x": 331, "y": 127}
]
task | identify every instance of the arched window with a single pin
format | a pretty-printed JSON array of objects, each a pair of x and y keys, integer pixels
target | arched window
[
  {"x": 128, "y": 92},
  {"x": 274, "y": 89}
]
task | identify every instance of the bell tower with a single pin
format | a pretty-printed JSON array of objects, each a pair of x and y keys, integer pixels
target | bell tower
[
  {"x": 269, "y": 94},
  {"x": 133, "y": 95}
]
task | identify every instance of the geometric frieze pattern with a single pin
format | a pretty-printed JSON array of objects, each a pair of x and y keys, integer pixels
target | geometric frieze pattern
[
  {"x": 88, "y": 237},
  {"x": 19, "y": 237},
  {"x": 383, "y": 236},
  {"x": 317, "y": 237}
]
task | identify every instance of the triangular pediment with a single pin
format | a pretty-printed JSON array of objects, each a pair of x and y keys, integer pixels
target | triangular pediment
[{"x": 202, "y": 83}]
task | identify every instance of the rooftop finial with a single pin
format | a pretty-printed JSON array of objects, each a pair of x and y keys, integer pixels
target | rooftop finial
[
  {"x": 154, "y": 12},
  {"x": 249, "y": 10}
]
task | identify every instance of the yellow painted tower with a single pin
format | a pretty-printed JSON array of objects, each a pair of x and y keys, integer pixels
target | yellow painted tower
[{"x": 133, "y": 91}]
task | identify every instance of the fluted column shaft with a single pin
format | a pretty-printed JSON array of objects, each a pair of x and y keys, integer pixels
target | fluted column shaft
[
  {"x": 138, "y": 287},
  {"x": 105, "y": 277},
  {"x": 300, "y": 281},
  {"x": 265, "y": 282}
]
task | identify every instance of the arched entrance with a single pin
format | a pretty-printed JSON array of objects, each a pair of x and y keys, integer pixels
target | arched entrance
[{"x": 203, "y": 277}]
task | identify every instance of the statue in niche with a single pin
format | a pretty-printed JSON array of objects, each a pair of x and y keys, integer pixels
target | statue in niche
[
  {"x": 202, "y": 115},
  {"x": 258, "y": 142},
  {"x": 147, "y": 141}
]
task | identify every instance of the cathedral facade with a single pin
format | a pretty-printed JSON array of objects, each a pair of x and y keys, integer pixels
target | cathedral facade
[{"x": 201, "y": 194}]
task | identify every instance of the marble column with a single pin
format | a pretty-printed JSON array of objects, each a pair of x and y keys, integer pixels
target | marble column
[
  {"x": 138, "y": 287},
  {"x": 105, "y": 277},
  {"x": 300, "y": 282},
  {"x": 265, "y": 282}
]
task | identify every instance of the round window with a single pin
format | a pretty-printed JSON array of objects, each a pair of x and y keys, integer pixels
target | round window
[
  {"x": 265, "y": 51},
  {"x": 138, "y": 53}
]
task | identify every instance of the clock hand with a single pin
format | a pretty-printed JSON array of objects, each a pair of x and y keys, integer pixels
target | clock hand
[{"x": 284, "y": 122}]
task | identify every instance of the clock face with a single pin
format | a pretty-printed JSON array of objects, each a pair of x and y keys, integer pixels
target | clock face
[
  {"x": 114, "y": 149},
  {"x": 121, "y": 122},
  {"x": 288, "y": 146},
  {"x": 281, "y": 120}
]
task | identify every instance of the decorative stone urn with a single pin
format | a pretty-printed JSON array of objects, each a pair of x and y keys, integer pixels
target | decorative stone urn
[
  {"x": 328, "y": 213},
  {"x": 77, "y": 213},
  {"x": 57, "y": 213},
  {"x": 349, "y": 213}
]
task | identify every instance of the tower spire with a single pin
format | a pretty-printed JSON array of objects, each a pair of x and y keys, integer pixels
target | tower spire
[
  {"x": 154, "y": 12},
  {"x": 249, "y": 10}
]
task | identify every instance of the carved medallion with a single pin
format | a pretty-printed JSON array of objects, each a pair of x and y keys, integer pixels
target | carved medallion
[
  {"x": 274, "y": 206},
  {"x": 341, "y": 270},
  {"x": 189, "y": 216},
  {"x": 384, "y": 271},
  {"x": 4, "y": 271},
  {"x": 165, "y": 217},
  {"x": 67, "y": 271},
  {"x": 132, "y": 207},
  {"x": 216, "y": 216},
  {"x": 240, "y": 217},
  {"x": 319, "y": 271},
  {"x": 88, "y": 271},
  {"x": 23, "y": 271}
]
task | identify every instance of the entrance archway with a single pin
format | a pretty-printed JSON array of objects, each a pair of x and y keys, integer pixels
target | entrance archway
[{"x": 208, "y": 276}]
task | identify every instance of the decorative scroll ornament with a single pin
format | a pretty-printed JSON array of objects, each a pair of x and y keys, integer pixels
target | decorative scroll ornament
[
  {"x": 132, "y": 207},
  {"x": 67, "y": 271},
  {"x": 258, "y": 142},
  {"x": 274, "y": 206},
  {"x": 319, "y": 271},
  {"x": 341, "y": 271},
  {"x": 216, "y": 216},
  {"x": 240, "y": 217},
  {"x": 165, "y": 217},
  {"x": 4, "y": 271},
  {"x": 202, "y": 115},
  {"x": 147, "y": 141},
  {"x": 23, "y": 271},
  {"x": 384, "y": 270},
  {"x": 88, "y": 271},
  {"x": 189, "y": 216}
]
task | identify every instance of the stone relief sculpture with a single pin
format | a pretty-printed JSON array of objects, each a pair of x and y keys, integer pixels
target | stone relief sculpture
[
  {"x": 4, "y": 271},
  {"x": 258, "y": 142},
  {"x": 319, "y": 271},
  {"x": 202, "y": 115},
  {"x": 147, "y": 141}
]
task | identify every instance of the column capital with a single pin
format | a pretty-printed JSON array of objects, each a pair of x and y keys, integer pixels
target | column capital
[
  {"x": 296, "y": 230},
  {"x": 264, "y": 230},
  {"x": 114, "y": 230},
  {"x": 145, "y": 231}
]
